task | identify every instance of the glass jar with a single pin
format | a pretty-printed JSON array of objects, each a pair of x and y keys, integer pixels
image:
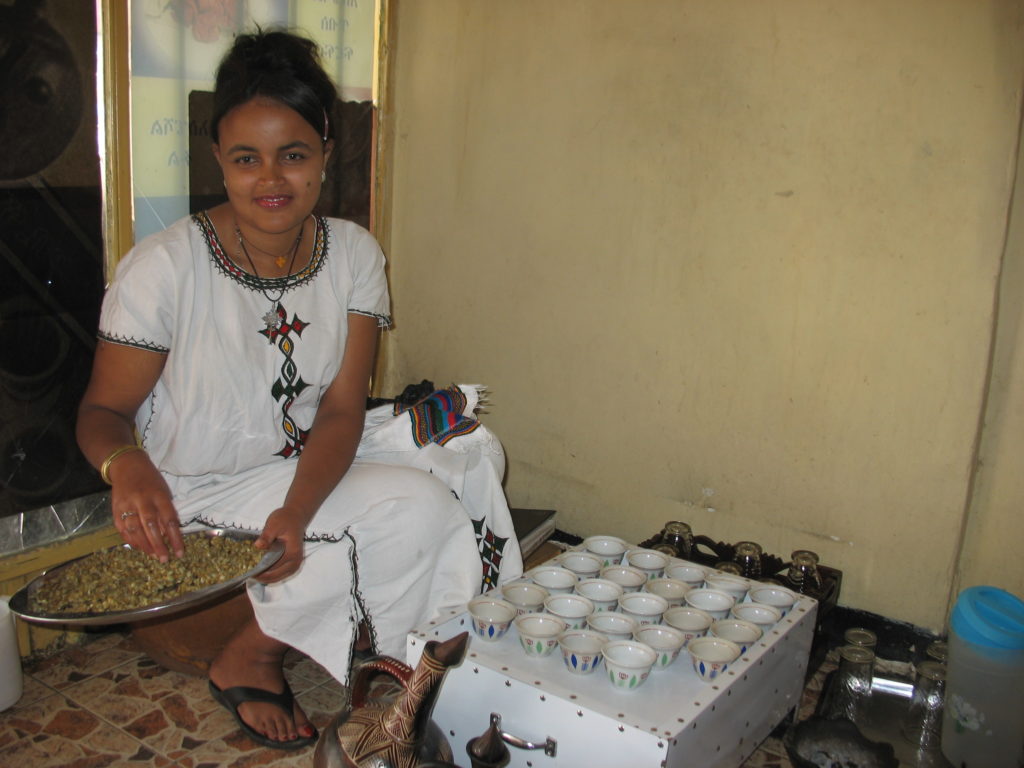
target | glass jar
[
  {"x": 679, "y": 536},
  {"x": 666, "y": 549},
  {"x": 851, "y": 687},
  {"x": 860, "y": 636},
  {"x": 938, "y": 651},
  {"x": 803, "y": 573},
  {"x": 923, "y": 725},
  {"x": 748, "y": 555}
]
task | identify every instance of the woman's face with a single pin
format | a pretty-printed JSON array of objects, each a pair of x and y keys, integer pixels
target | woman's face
[{"x": 272, "y": 162}]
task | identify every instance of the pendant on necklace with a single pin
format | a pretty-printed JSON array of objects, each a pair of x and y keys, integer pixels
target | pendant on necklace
[{"x": 273, "y": 322}]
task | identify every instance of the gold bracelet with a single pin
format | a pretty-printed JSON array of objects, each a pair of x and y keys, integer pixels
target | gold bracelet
[{"x": 117, "y": 452}]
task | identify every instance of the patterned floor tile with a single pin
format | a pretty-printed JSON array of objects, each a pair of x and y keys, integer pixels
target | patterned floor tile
[
  {"x": 81, "y": 662},
  {"x": 32, "y": 690},
  {"x": 55, "y": 731},
  {"x": 170, "y": 712},
  {"x": 31, "y": 719},
  {"x": 236, "y": 751},
  {"x": 302, "y": 668},
  {"x": 323, "y": 703}
]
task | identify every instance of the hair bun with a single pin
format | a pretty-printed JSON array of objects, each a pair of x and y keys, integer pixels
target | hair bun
[{"x": 279, "y": 65}]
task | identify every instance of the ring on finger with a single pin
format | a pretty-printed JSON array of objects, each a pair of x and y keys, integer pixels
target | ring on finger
[{"x": 126, "y": 515}]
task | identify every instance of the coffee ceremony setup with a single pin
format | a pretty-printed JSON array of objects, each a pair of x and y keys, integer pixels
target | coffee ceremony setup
[{"x": 529, "y": 383}]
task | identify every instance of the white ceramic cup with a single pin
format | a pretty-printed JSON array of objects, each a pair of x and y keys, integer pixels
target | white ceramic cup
[
  {"x": 604, "y": 594},
  {"x": 666, "y": 641},
  {"x": 614, "y": 626},
  {"x": 581, "y": 650},
  {"x": 609, "y": 548},
  {"x": 628, "y": 663},
  {"x": 692, "y": 622},
  {"x": 691, "y": 573},
  {"x": 627, "y": 577},
  {"x": 743, "y": 633},
  {"x": 736, "y": 586},
  {"x": 525, "y": 596},
  {"x": 649, "y": 561},
  {"x": 491, "y": 617},
  {"x": 713, "y": 601},
  {"x": 538, "y": 633},
  {"x": 712, "y": 656},
  {"x": 777, "y": 597},
  {"x": 645, "y": 607},
  {"x": 764, "y": 616},
  {"x": 572, "y": 609},
  {"x": 584, "y": 564},
  {"x": 673, "y": 590},
  {"x": 554, "y": 578}
]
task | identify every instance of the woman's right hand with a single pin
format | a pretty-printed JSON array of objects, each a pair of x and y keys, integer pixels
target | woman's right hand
[
  {"x": 122, "y": 378},
  {"x": 142, "y": 507}
]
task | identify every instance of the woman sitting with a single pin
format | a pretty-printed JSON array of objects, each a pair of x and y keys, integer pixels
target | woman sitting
[{"x": 238, "y": 344}]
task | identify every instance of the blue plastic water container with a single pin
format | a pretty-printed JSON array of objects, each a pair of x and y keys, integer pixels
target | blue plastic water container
[{"x": 983, "y": 722}]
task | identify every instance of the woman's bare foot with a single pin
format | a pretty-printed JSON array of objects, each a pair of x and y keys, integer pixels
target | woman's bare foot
[{"x": 254, "y": 660}]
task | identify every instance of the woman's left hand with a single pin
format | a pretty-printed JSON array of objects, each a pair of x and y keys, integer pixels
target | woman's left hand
[{"x": 289, "y": 527}]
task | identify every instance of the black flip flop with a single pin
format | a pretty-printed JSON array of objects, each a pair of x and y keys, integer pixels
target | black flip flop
[{"x": 232, "y": 698}]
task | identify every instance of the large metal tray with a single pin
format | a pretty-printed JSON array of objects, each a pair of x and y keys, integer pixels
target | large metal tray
[{"x": 21, "y": 602}]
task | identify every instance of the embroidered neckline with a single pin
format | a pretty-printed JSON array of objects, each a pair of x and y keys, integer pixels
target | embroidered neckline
[{"x": 227, "y": 267}]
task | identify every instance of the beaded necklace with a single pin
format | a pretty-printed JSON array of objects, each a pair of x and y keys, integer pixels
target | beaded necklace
[{"x": 272, "y": 318}]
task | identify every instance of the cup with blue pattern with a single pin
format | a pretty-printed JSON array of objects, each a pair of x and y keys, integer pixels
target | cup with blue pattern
[
  {"x": 743, "y": 633},
  {"x": 491, "y": 617},
  {"x": 712, "y": 656},
  {"x": 581, "y": 650}
]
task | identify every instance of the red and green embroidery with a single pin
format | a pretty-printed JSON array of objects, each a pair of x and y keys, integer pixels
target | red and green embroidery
[{"x": 289, "y": 383}]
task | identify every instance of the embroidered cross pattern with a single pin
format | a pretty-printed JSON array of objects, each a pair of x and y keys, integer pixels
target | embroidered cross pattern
[
  {"x": 289, "y": 384},
  {"x": 490, "y": 547}
]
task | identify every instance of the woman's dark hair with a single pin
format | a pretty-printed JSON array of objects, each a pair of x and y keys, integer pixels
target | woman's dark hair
[{"x": 278, "y": 65}]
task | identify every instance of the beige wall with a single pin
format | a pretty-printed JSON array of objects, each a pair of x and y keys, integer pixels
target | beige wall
[
  {"x": 732, "y": 263},
  {"x": 993, "y": 545}
]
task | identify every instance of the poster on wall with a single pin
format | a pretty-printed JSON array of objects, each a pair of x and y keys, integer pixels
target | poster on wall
[{"x": 176, "y": 45}]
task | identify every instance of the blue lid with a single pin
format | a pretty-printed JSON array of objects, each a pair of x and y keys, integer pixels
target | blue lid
[{"x": 989, "y": 616}]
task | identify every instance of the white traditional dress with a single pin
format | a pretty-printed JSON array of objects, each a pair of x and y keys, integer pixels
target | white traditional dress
[{"x": 248, "y": 360}]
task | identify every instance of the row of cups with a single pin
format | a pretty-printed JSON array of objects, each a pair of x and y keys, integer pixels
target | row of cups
[
  {"x": 678, "y": 582},
  {"x": 651, "y": 604},
  {"x": 629, "y": 648},
  {"x": 628, "y": 564}
]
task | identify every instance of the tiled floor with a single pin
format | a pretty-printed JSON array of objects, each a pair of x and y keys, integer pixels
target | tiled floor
[{"x": 106, "y": 704}]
